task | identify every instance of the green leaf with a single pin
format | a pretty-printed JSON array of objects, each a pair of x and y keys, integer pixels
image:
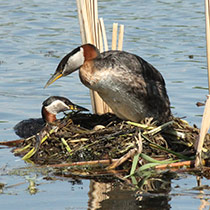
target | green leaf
[
  {"x": 147, "y": 166},
  {"x": 152, "y": 160},
  {"x": 134, "y": 163}
]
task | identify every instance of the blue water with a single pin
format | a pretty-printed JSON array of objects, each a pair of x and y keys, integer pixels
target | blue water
[{"x": 34, "y": 35}]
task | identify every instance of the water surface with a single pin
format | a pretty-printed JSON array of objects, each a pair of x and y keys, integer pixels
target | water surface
[{"x": 34, "y": 35}]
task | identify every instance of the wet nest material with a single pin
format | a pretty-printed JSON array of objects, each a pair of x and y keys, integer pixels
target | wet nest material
[{"x": 89, "y": 137}]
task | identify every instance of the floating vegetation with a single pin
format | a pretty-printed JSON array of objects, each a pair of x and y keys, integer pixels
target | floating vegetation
[
  {"x": 77, "y": 138},
  {"x": 91, "y": 144}
]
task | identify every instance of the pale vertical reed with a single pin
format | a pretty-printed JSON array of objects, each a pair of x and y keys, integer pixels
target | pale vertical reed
[{"x": 93, "y": 31}]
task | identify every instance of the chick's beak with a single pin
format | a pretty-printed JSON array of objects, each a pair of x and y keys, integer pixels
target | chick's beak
[
  {"x": 77, "y": 108},
  {"x": 54, "y": 77},
  {"x": 72, "y": 107}
]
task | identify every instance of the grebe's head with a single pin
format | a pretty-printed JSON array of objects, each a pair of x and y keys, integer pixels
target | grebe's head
[
  {"x": 73, "y": 61},
  {"x": 56, "y": 104}
]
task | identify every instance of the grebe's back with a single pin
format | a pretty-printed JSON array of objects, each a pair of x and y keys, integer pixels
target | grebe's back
[{"x": 30, "y": 127}]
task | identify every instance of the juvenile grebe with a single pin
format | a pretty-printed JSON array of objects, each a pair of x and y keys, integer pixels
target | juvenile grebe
[
  {"x": 132, "y": 87},
  {"x": 50, "y": 108}
]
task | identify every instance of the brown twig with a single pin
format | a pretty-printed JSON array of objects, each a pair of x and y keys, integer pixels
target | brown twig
[
  {"x": 82, "y": 163},
  {"x": 189, "y": 163},
  {"x": 12, "y": 143}
]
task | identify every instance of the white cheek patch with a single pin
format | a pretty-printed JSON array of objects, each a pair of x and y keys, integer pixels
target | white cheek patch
[
  {"x": 56, "y": 106},
  {"x": 75, "y": 61}
]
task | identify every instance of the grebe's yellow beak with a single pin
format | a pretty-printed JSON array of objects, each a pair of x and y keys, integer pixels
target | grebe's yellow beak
[{"x": 54, "y": 77}]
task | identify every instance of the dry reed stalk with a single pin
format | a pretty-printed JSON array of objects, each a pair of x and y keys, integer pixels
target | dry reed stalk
[
  {"x": 207, "y": 8},
  {"x": 100, "y": 40},
  {"x": 93, "y": 31},
  {"x": 79, "y": 9},
  {"x": 88, "y": 19},
  {"x": 204, "y": 129},
  {"x": 103, "y": 30},
  {"x": 120, "y": 39},
  {"x": 121, "y": 160},
  {"x": 95, "y": 20},
  {"x": 114, "y": 36},
  {"x": 206, "y": 115}
]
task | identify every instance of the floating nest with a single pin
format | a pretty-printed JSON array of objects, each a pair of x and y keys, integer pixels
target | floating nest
[{"x": 89, "y": 137}]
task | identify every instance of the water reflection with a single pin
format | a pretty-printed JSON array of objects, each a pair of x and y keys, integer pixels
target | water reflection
[
  {"x": 157, "y": 194},
  {"x": 111, "y": 196}
]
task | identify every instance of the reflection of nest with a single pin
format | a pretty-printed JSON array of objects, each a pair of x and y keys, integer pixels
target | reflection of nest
[{"x": 77, "y": 139}]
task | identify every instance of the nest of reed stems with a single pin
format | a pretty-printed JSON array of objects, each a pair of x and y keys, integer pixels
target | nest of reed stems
[{"x": 89, "y": 137}]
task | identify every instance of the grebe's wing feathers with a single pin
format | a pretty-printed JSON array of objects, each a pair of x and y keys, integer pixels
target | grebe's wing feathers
[
  {"x": 133, "y": 64},
  {"x": 137, "y": 78}
]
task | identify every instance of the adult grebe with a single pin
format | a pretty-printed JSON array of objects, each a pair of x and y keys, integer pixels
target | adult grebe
[
  {"x": 50, "y": 108},
  {"x": 132, "y": 87}
]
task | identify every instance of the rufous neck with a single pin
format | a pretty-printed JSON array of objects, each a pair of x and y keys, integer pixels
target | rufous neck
[
  {"x": 90, "y": 52},
  {"x": 48, "y": 117}
]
